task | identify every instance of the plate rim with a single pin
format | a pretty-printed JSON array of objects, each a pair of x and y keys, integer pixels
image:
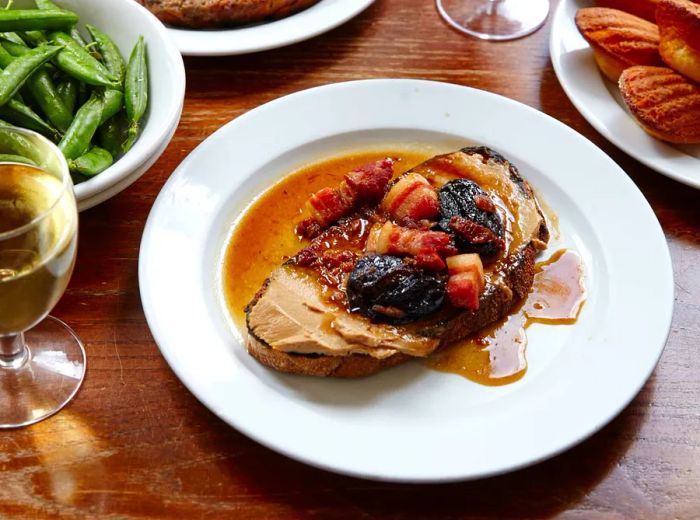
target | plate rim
[
  {"x": 657, "y": 164},
  {"x": 353, "y": 9},
  {"x": 146, "y": 299}
]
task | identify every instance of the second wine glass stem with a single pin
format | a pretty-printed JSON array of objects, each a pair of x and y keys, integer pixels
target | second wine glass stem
[{"x": 13, "y": 351}]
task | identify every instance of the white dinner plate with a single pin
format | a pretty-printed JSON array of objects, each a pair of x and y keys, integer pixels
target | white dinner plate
[
  {"x": 317, "y": 19},
  {"x": 411, "y": 423},
  {"x": 600, "y": 102}
]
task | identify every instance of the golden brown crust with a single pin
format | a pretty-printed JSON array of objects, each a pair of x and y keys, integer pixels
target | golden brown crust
[
  {"x": 619, "y": 39},
  {"x": 665, "y": 103},
  {"x": 643, "y": 8},
  {"x": 218, "y": 13},
  {"x": 679, "y": 26},
  {"x": 356, "y": 365}
]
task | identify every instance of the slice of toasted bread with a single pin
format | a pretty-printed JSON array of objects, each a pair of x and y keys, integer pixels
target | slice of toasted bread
[
  {"x": 287, "y": 316},
  {"x": 643, "y": 8},
  {"x": 665, "y": 103},
  {"x": 679, "y": 27},
  {"x": 220, "y": 13},
  {"x": 619, "y": 40}
]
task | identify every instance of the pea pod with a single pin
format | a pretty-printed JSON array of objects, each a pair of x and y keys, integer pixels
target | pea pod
[
  {"x": 18, "y": 144},
  {"x": 18, "y": 70},
  {"x": 48, "y": 5},
  {"x": 12, "y": 37},
  {"x": 111, "y": 56},
  {"x": 6, "y": 157},
  {"x": 40, "y": 87},
  {"x": 136, "y": 90},
  {"x": 113, "y": 103},
  {"x": 112, "y": 133},
  {"x": 68, "y": 93},
  {"x": 95, "y": 161},
  {"x": 75, "y": 61},
  {"x": 36, "y": 20},
  {"x": 77, "y": 139},
  {"x": 33, "y": 37},
  {"x": 21, "y": 115}
]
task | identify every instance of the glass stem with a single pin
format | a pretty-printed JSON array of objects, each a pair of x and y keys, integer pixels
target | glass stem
[{"x": 13, "y": 351}]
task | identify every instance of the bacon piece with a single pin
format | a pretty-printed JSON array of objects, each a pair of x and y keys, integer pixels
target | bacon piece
[
  {"x": 475, "y": 233},
  {"x": 412, "y": 197},
  {"x": 365, "y": 184},
  {"x": 484, "y": 203},
  {"x": 466, "y": 281},
  {"x": 428, "y": 248},
  {"x": 368, "y": 182},
  {"x": 463, "y": 290}
]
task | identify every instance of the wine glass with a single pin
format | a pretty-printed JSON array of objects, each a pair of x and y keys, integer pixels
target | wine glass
[
  {"x": 495, "y": 19},
  {"x": 42, "y": 362}
]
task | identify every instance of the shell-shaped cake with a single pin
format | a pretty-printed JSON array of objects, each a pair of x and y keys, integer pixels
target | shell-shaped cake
[
  {"x": 679, "y": 26},
  {"x": 619, "y": 40},
  {"x": 643, "y": 8},
  {"x": 665, "y": 103}
]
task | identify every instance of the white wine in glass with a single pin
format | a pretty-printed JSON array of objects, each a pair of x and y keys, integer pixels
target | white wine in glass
[
  {"x": 42, "y": 362},
  {"x": 494, "y": 19}
]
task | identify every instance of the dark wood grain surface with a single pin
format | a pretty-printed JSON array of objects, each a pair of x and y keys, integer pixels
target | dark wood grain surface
[{"x": 136, "y": 444}]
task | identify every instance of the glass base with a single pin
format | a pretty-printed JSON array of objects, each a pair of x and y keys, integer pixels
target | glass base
[
  {"x": 42, "y": 379},
  {"x": 495, "y": 19}
]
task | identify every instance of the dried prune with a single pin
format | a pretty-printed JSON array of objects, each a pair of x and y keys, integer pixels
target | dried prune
[
  {"x": 468, "y": 213},
  {"x": 385, "y": 288}
]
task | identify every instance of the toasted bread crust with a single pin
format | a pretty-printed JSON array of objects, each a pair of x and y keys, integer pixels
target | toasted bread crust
[
  {"x": 679, "y": 26},
  {"x": 619, "y": 39},
  {"x": 665, "y": 103},
  {"x": 218, "y": 13},
  {"x": 516, "y": 280},
  {"x": 356, "y": 365}
]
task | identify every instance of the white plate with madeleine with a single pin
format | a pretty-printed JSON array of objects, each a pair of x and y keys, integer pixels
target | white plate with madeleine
[{"x": 647, "y": 107}]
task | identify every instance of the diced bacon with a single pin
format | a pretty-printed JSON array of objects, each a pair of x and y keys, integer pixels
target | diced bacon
[
  {"x": 428, "y": 248},
  {"x": 328, "y": 205},
  {"x": 466, "y": 281},
  {"x": 365, "y": 184},
  {"x": 463, "y": 290},
  {"x": 369, "y": 182},
  {"x": 412, "y": 197},
  {"x": 484, "y": 203},
  {"x": 475, "y": 233}
]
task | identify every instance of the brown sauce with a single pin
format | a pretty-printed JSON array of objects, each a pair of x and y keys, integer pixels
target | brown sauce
[
  {"x": 263, "y": 237},
  {"x": 496, "y": 355}
]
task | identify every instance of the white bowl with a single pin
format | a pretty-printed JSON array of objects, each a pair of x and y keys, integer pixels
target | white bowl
[{"x": 124, "y": 21}]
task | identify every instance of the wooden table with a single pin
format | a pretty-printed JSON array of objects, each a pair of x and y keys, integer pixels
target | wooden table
[{"x": 136, "y": 444}]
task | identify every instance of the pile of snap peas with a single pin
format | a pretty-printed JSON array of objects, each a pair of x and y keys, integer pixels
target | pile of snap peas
[{"x": 79, "y": 93}]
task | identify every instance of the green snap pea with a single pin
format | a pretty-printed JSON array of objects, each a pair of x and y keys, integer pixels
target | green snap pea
[
  {"x": 45, "y": 94},
  {"x": 95, "y": 161},
  {"x": 36, "y": 20},
  {"x": 113, "y": 103},
  {"x": 47, "y": 5},
  {"x": 112, "y": 133},
  {"x": 68, "y": 93},
  {"x": 33, "y": 37},
  {"x": 77, "y": 139},
  {"x": 111, "y": 56},
  {"x": 21, "y": 115},
  {"x": 12, "y": 37},
  {"x": 6, "y": 157},
  {"x": 18, "y": 70},
  {"x": 39, "y": 87},
  {"x": 76, "y": 61},
  {"x": 136, "y": 90},
  {"x": 17, "y": 144}
]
